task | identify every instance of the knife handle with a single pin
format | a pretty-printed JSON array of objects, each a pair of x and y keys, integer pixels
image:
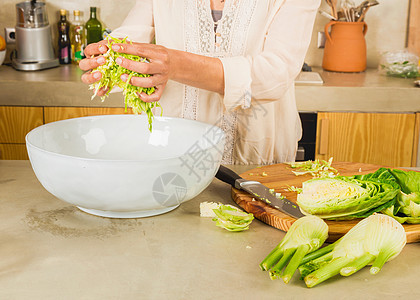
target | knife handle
[{"x": 227, "y": 175}]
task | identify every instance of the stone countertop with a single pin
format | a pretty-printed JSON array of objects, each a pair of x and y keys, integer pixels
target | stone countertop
[
  {"x": 51, "y": 250},
  {"x": 359, "y": 92}
]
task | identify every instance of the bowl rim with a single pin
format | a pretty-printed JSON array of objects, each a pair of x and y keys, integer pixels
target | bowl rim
[{"x": 28, "y": 143}]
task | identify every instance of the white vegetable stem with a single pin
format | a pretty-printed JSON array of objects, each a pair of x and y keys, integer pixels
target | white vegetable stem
[{"x": 374, "y": 240}]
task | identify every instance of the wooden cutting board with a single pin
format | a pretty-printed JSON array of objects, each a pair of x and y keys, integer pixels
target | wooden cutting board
[{"x": 279, "y": 177}]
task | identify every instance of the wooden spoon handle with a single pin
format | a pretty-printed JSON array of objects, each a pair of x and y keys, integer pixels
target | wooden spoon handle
[{"x": 362, "y": 15}]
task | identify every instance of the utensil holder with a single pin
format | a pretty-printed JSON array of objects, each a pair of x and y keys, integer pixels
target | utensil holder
[{"x": 345, "y": 47}]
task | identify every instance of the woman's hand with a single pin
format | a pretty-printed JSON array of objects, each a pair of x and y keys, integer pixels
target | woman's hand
[
  {"x": 158, "y": 67},
  {"x": 94, "y": 59}
]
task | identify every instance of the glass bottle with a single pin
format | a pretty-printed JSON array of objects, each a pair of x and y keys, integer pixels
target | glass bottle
[
  {"x": 64, "y": 48},
  {"x": 77, "y": 38},
  {"x": 93, "y": 28}
]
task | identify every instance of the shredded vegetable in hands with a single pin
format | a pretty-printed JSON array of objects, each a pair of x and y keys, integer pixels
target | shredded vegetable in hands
[{"x": 111, "y": 77}]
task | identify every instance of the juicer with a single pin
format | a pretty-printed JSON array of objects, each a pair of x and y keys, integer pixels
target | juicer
[{"x": 34, "y": 48}]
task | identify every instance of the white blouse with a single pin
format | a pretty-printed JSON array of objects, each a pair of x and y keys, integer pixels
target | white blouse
[{"x": 262, "y": 45}]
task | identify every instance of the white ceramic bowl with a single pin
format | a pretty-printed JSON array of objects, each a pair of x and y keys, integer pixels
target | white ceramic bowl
[{"x": 112, "y": 166}]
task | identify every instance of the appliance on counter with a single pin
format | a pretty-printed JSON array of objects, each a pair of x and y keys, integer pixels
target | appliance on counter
[
  {"x": 34, "y": 48},
  {"x": 306, "y": 146}
]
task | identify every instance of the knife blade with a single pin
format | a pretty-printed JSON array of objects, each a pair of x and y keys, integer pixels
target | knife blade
[{"x": 258, "y": 191}]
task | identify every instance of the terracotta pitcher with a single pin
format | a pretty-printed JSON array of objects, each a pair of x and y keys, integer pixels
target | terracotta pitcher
[{"x": 345, "y": 47}]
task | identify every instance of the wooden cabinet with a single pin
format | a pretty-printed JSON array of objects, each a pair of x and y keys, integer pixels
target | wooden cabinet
[
  {"x": 378, "y": 138},
  {"x": 52, "y": 114},
  {"x": 13, "y": 151},
  {"x": 15, "y": 123}
]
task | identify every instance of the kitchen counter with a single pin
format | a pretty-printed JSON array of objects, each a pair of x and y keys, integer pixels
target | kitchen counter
[
  {"x": 51, "y": 250},
  {"x": 375, "y": 93}
]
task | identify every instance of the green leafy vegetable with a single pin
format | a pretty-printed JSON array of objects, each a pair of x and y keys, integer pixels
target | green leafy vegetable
[
  {"x": 407, "y": 207},
  {"x": 111, "y": 77},
  {"x": 409, "y": 181},
  {"x": 374, "y": 240},
  {"x": 232, "y": 219},
  {"x": 392, "y": 192},
  {"x": 316, "y": 168},
  {"x": 405, "y": 69},
  {"x": 293, "y": 189},
  {"x": 346, "y": 197},
  {"x": 304, "y": 236}
]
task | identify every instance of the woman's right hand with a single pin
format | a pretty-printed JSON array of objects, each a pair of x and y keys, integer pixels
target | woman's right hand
[{"x": 94, "y": 59}]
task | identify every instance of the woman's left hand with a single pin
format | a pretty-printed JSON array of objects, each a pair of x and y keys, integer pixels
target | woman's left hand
[{"x": 158, "y": 67}]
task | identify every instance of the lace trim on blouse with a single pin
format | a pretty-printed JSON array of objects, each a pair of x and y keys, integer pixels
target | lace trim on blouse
[{"x": 228, "y": 40}]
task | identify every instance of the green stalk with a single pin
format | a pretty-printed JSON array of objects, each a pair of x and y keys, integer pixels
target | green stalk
[
  {"x": 320, "y": 252},
  {"x": 315, "y": 264},
  {"x": 276, "y": 270},
  {"x": 294, "y": 263},
  {"x": 357, "y": 264},
  {"x": 327, "y": 271},
  {"x": 271, "y": 259},
  {"x": 382, "y": 258}
]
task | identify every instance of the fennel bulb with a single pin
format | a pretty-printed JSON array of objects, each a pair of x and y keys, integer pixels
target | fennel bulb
[
  {"x": 374, "y": 240},
  {"x": 305, "y": 235}
]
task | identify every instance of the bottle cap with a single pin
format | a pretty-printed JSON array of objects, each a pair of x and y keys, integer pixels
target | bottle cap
[
  {"x": 76, "y": 12},
  {"x": 92, "y": 8},
  {"x": 63, "y": 12}
]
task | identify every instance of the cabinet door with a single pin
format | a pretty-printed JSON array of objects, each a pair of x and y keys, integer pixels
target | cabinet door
[
  {"x": 416, "y": 148},
  {"x": 13, "y": 151},
  {"x": 53, "y": 114},
  {"x": 377, "y": 138},
  {"x": 17, "y": 121}
]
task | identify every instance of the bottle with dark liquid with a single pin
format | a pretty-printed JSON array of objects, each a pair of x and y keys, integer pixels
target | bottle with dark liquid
[
  {"x": 93, "y": 28},
  {"x": 64, "y": 46}
]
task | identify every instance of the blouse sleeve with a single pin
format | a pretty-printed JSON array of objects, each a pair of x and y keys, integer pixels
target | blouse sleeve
[
  {"x": 138, "y": 25},
  {"x": 269, "y": 74}
]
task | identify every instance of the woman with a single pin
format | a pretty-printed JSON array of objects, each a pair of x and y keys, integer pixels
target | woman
[{"x": 236, "y": 72}]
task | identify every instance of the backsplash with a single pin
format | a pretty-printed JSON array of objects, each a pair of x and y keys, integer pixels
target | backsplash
[
  {"x": 387, "y": 30},
  {"x": 387, "y": 23}
]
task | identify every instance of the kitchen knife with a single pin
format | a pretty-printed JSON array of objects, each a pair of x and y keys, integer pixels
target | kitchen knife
[{"x": 258, "y": 191}]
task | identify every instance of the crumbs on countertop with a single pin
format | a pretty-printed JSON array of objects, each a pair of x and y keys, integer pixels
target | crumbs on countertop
[{"x": 264, "y": 174}]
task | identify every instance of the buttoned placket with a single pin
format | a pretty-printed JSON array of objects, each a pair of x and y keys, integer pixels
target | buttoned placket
[{"x": 217, "y": 39}]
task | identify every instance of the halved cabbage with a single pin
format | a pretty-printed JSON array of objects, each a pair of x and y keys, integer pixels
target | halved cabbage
[{"x": 346, "y": 197}]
